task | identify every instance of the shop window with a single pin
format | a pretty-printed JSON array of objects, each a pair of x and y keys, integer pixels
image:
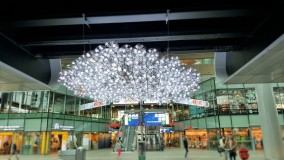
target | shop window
[
  {"x": 31, "y": 143},
  {"x": 279, "y": 98}
]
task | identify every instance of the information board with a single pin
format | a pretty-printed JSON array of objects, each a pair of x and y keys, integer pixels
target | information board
[
  {"x": 131, "y": 119},
  {"x": 156, "y": 119}
]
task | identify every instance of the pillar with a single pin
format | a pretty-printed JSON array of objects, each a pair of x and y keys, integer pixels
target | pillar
[
  {"x": 4, "y": 100},
  {"x": 181, "y": 139},
  {"x": 271, "y": 133}
]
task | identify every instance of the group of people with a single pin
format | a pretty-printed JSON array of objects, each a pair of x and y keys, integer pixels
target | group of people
[{"x": 228, "y": 144}]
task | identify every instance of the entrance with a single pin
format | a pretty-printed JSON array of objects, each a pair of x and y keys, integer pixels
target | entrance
[{"x": 58, "y": 141}]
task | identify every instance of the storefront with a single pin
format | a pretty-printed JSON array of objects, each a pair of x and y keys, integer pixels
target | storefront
[
  {"x": 94, "y": 140},
  {"x": 58, "y": 141},
  {"x": 6, "y": 140},
  {"x": 104, "y": 140},
  {"x": 114, "y": 136},
  {"x": 86, "y": 140},
  {"x": 257, "y": 137},
  {"x": 33, "y": 143},
  {"x": 62, "y": 138},
  {"x": 197, "y": 138},
  {"x": 8, "y": 136},
  {"x": 43, "y": 122},
  {"x": 243, "y": 136}
]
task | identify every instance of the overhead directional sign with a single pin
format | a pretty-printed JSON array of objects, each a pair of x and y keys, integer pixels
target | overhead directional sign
[
  {"x": 155, "y": 119},
  {"x": 131, "y": 119}
]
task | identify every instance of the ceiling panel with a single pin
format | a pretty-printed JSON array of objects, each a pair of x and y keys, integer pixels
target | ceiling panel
[
  {"x": 14, "y": 80},
  {"x": 5, "y": 76},
  {"x": 275, "y": 69},
  {"x": 241, "y": 79},
  {"x": 280, "y": 79},
  {"x": 266, "y": 67},
  {"x": 263, "y": 79}
]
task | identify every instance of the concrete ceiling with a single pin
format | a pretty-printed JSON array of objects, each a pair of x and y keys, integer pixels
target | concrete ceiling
[{"x": 266, "y": 67}]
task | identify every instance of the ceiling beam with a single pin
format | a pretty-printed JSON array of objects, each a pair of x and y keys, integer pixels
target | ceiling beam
[
  {"x": 128, "y": 18},
  {"x": 75, "y": 54},
  {"x": 138, "y": 39}
]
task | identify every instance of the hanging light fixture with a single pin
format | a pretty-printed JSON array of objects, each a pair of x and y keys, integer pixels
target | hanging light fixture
[{"x": 111, "y": 73}]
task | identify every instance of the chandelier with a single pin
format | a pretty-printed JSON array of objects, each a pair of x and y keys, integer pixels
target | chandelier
[{"x": 111, "y": 73}]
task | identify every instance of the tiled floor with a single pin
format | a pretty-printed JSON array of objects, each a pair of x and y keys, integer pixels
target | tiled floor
[{"x": 167, "y": 154}]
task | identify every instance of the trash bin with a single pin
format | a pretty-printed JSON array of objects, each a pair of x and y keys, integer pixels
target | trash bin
[
  {"x": 81, "y": 153},
  {"x": 67, "y": 154},
  {"x": 141, "y": 150}
]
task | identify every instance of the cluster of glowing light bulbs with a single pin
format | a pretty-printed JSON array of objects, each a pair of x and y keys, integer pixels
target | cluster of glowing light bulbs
[{"x": 111, "y": 73}]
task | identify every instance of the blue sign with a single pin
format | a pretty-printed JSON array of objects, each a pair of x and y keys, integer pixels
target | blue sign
[
  {"x": 132, "y": 119},
  {"x": 154, "y": 119},
  {"x": 166, "y": 130}
]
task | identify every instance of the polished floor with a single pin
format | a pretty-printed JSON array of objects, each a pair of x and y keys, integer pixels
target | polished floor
[{"x": 167, "y": 154}]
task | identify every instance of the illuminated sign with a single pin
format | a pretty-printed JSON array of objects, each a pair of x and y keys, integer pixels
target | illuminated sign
[
  {"x": 98, "y": 104},
  {"x": 200, "y": 103},
  {"x": 126, "y": 101},
  {"x": 131, "y": 119},
  {"x": 155, "y": 119},
  {"x": 195, "y": 102},
  {"x": 10, "y": 128},
  {"x": 92, "y": 105},
  {"x": 57, "y": 126}
]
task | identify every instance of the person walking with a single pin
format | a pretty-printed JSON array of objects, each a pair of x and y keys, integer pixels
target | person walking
[
  {"x": 185, "y": 144},
  {"x": 261, "y": 143},
  {"x": 118, "y": 148},
  {"x": 120, "y": 134},
  {"x": 6, "y": 146},
  {"x": 221, "y": 147},
  {"x": 233, "y": 147},
  {"x": 255, "y": 143},
  {"x": 14, "y": 152},
  {"x": 169, "y": 143}
]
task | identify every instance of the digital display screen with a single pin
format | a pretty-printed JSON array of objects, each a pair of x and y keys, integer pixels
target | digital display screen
[
  {"x": 156, "y": 119},
  {"x": 131, "y": 119}
]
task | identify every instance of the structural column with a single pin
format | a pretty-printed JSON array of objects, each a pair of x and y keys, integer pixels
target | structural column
[
  {"x": 181, "y": 139},
  {"x": 271, "y": 133},
  {"x": 4, "y": 101}
]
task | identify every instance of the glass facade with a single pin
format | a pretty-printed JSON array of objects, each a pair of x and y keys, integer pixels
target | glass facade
[
  {"x": 233, "y": 110},
  {"x": 41, "y": 122},
  {"x": 50, "y": 102},
  {"x": 226, "y": 100}
]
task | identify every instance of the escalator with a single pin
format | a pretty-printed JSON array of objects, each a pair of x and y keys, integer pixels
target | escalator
[{"x": 130, "y": 138}]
